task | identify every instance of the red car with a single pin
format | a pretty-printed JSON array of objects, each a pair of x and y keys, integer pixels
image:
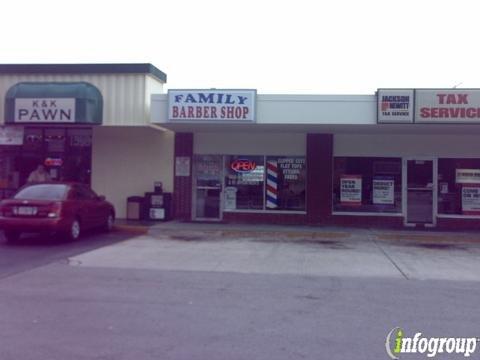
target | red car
[{"x": 65, "y": 208}]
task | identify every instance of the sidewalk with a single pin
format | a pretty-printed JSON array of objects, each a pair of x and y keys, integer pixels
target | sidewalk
[{"x": 201, "y": 230}]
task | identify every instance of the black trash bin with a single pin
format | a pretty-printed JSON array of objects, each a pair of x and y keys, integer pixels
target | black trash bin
[{"x": 135, "y": 208}]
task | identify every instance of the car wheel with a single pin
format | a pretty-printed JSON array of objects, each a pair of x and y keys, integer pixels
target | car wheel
[
  {"x": 12, "y": 236},
  {"x": 109, "y": 222},
  {"x": 74, "y": 230}
]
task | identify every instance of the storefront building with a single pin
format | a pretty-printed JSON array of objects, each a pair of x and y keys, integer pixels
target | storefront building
[
  {"x": 399, "y": 158},
  {"x": 84, "y": 122}
]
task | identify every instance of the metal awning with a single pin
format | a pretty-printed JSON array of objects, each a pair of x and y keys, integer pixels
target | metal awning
[{"x": 53, "y": 102}]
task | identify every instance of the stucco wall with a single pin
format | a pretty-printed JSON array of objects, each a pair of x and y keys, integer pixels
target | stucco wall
[
  {"x": 249, "y": 144},
  {"x": 127, "y": 161},
  {"x": 441, "y": 145}
]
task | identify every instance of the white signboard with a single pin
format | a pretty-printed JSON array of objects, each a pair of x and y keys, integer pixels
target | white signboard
[
  {"x": 11, "y": 135},
  {"x": 383, "y": 191},
  {"x": 467, "y": 176},
  {"x": 44, "y": 110},
  {"x": 182, "y": 166},
  {"x": 211, "y": 105},
  {"x": 351, "y": 190},
  {"x": 471, "y": 200},
  {"x": 230, "y": 198},
  {"x": 447, "y": 106},
  {"x": 395, "y": 106}
]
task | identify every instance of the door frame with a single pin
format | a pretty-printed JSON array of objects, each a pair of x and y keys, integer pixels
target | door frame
[
  {"x": 434, "y": 160},
  {"x": 195, "y": 187}
]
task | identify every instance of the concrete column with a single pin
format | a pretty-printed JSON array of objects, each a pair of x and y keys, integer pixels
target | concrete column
[
  {"x": 182, "y": 185},
  {"x": 319, "y": 177}
]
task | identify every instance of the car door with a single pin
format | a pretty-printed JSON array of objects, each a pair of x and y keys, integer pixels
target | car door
[
  {"x": 83, "y": 206},
  {"x": 97, "y": 213}
]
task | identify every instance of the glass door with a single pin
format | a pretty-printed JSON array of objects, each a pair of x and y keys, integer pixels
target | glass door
[
  {"x": 207, "y": 187},
  {"x": 420, "y": 192}
]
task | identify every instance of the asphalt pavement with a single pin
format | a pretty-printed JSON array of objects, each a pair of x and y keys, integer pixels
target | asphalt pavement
[{"x": 188, "y": 293}]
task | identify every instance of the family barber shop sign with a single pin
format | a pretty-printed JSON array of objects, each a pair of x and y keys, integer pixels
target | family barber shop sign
[{"x": 211, "y": 105}]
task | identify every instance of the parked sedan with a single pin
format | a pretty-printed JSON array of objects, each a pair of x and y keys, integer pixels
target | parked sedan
[{"x": 65, "y": 208}]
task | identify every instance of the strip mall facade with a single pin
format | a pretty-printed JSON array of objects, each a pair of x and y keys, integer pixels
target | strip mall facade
[{"x": 401, "y": 157}]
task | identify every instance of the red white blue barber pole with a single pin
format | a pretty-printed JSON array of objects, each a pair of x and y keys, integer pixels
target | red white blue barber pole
[{"x": 272, "y": 184}]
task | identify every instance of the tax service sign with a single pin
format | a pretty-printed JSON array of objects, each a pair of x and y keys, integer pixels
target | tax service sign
[
  {"x": 447, "y": 106},
  {"x": 211, "y": 105},
  {"x": 395, "y": 106}
]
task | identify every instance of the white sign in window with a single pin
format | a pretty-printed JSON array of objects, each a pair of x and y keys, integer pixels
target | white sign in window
[
  {"x": 383, "y": 191},
  {"x": 467, "y": 176},
  {"x": 351, "y": 190},
  {"x": 11, "y": 135},
  {"x": 471, "y": 200}
]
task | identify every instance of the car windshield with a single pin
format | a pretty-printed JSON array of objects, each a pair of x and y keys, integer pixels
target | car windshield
[{"x": 42, "y": 192}]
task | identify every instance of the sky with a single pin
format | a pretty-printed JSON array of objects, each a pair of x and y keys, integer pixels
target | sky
[{"x": 276, "y": 47}]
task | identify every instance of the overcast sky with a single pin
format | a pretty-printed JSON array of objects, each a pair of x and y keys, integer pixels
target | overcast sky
[{"x": 298, "y": 46}]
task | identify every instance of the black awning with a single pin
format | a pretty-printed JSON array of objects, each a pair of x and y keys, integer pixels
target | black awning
[{"x": 53, "y": 102}]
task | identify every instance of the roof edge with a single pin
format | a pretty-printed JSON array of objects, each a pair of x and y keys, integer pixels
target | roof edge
[{"x": 107, "y": 68}]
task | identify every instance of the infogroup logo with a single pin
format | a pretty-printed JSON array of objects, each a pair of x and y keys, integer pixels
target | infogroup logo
[{"x": 397, "y": 343}]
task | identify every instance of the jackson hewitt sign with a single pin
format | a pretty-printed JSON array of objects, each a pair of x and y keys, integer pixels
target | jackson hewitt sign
[
  {"x": 211, "y": 105},
  {"x": 44, "y": 110}
]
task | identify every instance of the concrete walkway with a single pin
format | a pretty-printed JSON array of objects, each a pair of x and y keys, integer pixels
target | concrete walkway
[{"x": 298, "y": 250}]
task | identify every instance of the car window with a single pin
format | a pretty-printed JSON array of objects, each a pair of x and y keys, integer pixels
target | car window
[
  {"x": 89, "y": 193},
  {"x": 82, "y": 193},
  {"x": 42, "y": 192}
]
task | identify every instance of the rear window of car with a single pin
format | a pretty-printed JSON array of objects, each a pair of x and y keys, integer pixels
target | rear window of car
[{"x": 42, "y": 192}]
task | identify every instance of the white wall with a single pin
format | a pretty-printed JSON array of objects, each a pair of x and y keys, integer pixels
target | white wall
[
  {"x": 442, "y": 145},
  {"x": 126, "y": 97},
  {"x": 249, "y": 143},
  {"x": 127, "y": 161},
  {"x": 298, "y": 109}
]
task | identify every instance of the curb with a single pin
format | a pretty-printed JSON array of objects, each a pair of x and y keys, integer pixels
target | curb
[{"x": 134, "y": 229}]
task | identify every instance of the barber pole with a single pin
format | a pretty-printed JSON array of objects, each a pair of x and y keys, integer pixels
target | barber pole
[{"x": 272, "y": 181}]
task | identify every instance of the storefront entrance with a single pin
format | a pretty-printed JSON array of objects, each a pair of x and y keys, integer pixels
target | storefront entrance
[
  {"x": 421, "y": 196},
  {"x": 207, "y": 187}
]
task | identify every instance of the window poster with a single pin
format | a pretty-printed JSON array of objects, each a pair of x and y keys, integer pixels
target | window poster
[
  {"x": 383, "y": 191},
  {"x": 230, "y": 198},
  {"x": 471, "y": 199},
  {"x": 182, "y": 166},
  {"x": 351, "y": 190}
]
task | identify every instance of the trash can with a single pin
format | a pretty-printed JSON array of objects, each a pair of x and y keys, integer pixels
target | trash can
[{"x": 135, "y": 207}]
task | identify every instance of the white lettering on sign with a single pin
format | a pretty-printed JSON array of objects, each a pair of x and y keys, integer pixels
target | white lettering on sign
[
  {"x": 44, "y": 110},
  {"x": 211, "y": 105}
]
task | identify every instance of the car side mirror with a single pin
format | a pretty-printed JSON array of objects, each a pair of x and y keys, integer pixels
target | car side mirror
[{"x": 101, "y": 198}]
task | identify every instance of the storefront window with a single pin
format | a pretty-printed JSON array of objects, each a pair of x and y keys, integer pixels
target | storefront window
[
  {"x": 285, "y": 186},
  {"x": 459, "y": 186},
  {"x": 244, "y": 182},
  {"x": 365, "y": 184}
]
